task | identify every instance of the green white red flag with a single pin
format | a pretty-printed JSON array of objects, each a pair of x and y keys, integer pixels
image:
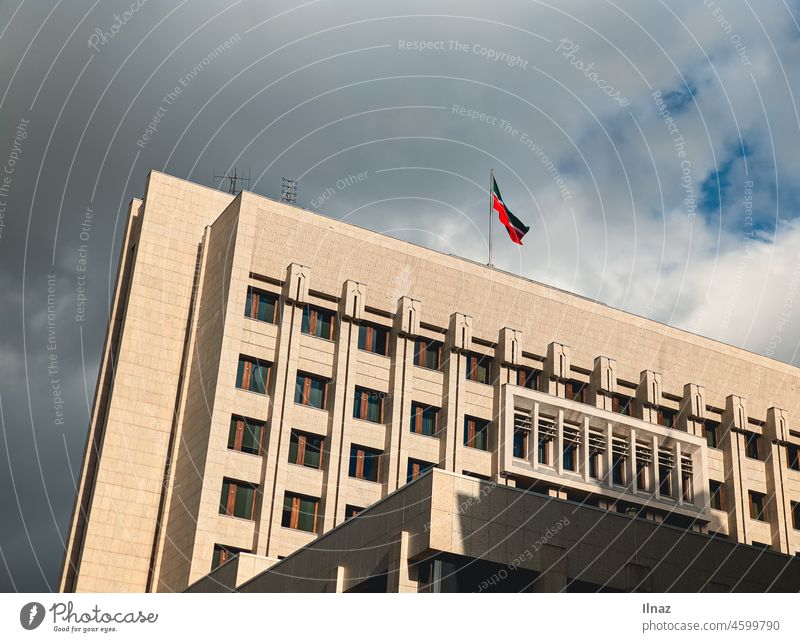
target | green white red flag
[{"x": 516, "y": 228}]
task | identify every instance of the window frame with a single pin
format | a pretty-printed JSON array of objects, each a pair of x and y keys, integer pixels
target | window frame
[
  {"x": 476, "y": 361},
  {"x": 357, "y": 463},
  {"x": 528, "y": 375},
  {"x": 617, "y": 407},
  {"x": 302, "y": 448},
  {"x": 237, "y": 431},
  {"x": 795, "y": 510},
  {"x": 362, "y": 404},
  {"x": 418, "y": 419},
  {"x": 524, "y": 440},
  {"x": 423, "y": 346},
  {"x": 716, "y": 496},
  {"x": 231, "y": 498},
  {"x": 258, "y": 294},
  {"x": 369, "y": 333},
  {"x": 756, "y": 501},
  {"x": 713, "y": 434},
  {"x": 422, "y": 467},
  {"x": 304, "y": 391},
  {"x": 244, "y": 374},
  {"x": 294, "y": 511},
  {"x": 473, "y": 427},
  {"x": 314, "y": 316},
  {"x": 752, "y": 440},
  {"x": 793, "y": 463},
  {"x": 570, "y": 393}
]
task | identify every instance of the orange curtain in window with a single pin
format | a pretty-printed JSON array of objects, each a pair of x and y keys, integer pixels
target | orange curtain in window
[
  {"x": 418, "y": 420},
  {"x": 306, "y": 390},
  {"x": 363, "y": 408},
  {"x": 312, "y": 322},
  {"x": 237, "y": 439},
  {"x": 301, "y": 449},
  {"x": 470, "y": 432},
  {"x": 247, "y": 371},
  {"x": 360, "y": 464},
  {"x": 231, "y": 499},
  {"x": 295, "y": 518},
  {"x": 414, "y": 470},
  {"x": 254, "y": 300}
]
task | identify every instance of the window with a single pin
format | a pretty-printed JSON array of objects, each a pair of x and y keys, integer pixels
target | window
[
  {"x": 479, "y": 368},
  {"x": 521, "y": 436},
  {"x": 253, "y": 375},
  {"x": 622, "y": 404},
  {"x": 570, "y": 458},
  {"x": 368, "y": 405},
  {"x": 311, "y": 391},
  {"x": 642, "y": 476},
  {"x": 245, "y": 435},
  {"x": 428, "y": 354},
  {"x": 796, "y": 516},
  {"x": 686, "y": 486},
  {"x": 365, "y": 463},
  {"x": 416, "y": 468},
  {"x": 528, "y": 378},
  {"x": 547, "y": 432},
  {"x": 618, "y": 469},
  {"x": 351, "y": 511},
  {"x": 666, "y": 417},
  {"x": 238, "y": 499},
  {"x": 751, "y": 445},
  {"x": 664, "y": 479},
  {"x": 317, "y": 322},
  {"x": 711, "y": 433},
  {"x": 424, "y": 419},
  {"x": 305, "y": 449},
  {"x": 373, "y": 339},
  {"x": 594, "y": 464},
  {"x": 757, "y": 506},
  {"x": 476, "y": 433},
  {"x": 261, "y": 305},
  {"x": 300, "y": 512},
  {"x": 543, "y": 449},
  {"x": 222, "y": 554},
  {"x": 715, "y": 492},
  {"x": 575, "y": 390},
  {"x": 793, "y": 457}
]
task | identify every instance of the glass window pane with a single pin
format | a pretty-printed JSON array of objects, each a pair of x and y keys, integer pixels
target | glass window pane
[
  {"x": 223, "y": 500},
  {"x": 243, "y": 506},
  {"x": 239, "y": 373},
  {"x": 306, "y": 517},
  {"x": 286, "y": 518},
  {"x": 258, "y": 378},
  {"x": 305, "y": 326},
  {"x": 317, "y": 396}
]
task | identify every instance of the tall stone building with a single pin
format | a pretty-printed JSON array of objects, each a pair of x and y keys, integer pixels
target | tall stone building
[{"x": 268, "y": 373}]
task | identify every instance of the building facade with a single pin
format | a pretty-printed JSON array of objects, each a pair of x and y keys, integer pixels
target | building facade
[{"x": 269, "y": 373}]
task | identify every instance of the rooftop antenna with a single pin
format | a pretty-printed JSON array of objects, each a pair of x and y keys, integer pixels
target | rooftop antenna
[
  {"x": 233, "y": 180},
  {"x": 289, "y": 191}
]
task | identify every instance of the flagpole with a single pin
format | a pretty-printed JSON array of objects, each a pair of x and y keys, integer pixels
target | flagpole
[{"x": 491, "y": 186}]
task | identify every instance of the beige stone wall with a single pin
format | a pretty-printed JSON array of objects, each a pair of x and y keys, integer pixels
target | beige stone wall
[{"x": 362, "y": 276}]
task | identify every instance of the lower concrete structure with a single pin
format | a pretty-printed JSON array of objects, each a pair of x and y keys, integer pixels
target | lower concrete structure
[{"x": 445, "y": 532}]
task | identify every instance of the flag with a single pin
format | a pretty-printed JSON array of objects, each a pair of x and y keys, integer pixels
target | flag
[{"x": 516, "y": 228}]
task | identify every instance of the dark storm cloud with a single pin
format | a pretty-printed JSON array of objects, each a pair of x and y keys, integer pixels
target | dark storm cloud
[{"x": 421, "y": 99}]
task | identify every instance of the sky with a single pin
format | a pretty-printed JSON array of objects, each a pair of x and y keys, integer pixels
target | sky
[{"x": 650, "y": 146}]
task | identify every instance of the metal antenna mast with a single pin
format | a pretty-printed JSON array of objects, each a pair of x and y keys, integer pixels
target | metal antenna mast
[
  {"x": 289, "y": 191},
  {"x": 233, "y": 180}
]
